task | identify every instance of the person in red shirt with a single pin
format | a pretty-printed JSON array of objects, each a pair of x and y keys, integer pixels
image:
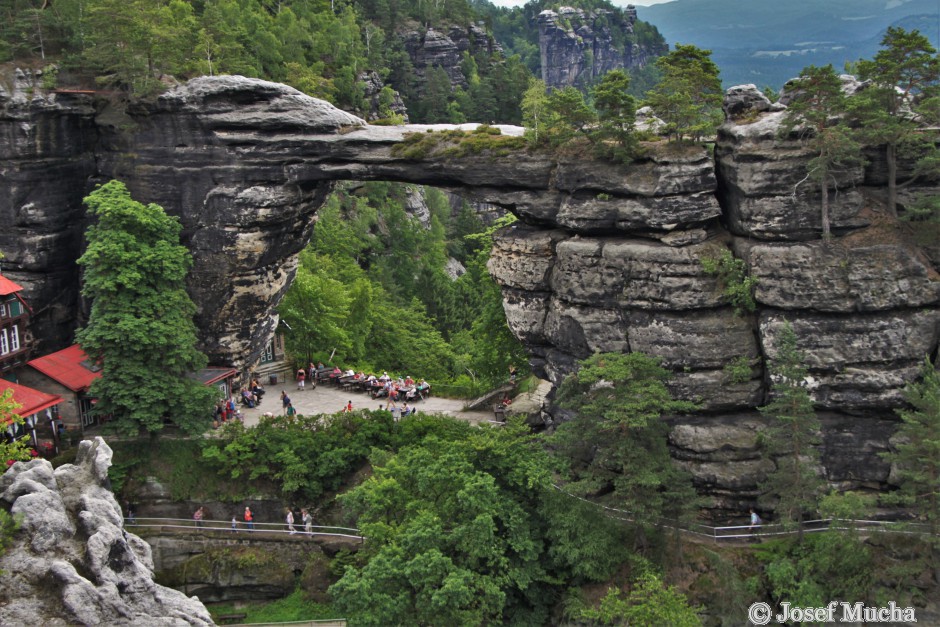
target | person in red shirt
[{"x": 249, "y": 519}]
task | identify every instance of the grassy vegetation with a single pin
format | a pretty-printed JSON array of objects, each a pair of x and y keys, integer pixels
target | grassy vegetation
[
  {"x": 295, "y": 607},
  {"x": 178, "y": 465},
  {"x": 454, "y": 143}
]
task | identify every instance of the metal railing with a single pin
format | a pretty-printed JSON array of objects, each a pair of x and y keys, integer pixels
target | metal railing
[
  {"x": 765, "y": 530},
  {"x": 226, "y": 527}
]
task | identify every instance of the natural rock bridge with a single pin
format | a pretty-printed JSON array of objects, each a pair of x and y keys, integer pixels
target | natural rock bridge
[{"x": 607, "y": 257}]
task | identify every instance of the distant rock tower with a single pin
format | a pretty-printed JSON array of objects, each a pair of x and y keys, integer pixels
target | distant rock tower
[{"x": 578, "y": 46}]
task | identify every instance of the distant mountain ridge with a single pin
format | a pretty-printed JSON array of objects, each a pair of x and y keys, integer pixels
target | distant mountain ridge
[{"x": 766, "y": 42}]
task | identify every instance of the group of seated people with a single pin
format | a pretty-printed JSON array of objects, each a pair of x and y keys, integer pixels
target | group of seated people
[
  {"x": 251, "y": 395},
  {"x": 402, "y": 388}
]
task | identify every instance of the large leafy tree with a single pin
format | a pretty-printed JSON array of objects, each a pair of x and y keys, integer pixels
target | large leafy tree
[
  {"x": 617, "y": 443},
  {"x": 793, "y": 434},
  {"x": 453, "y": 534},
  {"x": 917, "y": 452},
  {"x": 688, "y": 96},
  {"x": 817, "y": 113},
  {"x": 141, "y": 323},
  {"x": 901, "y": 73}
]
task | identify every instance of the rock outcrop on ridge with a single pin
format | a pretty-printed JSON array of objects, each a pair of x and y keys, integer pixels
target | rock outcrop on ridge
[
  {"x": 579, "y": 46},
  {"x": 606, "y": 257},
  {"x": 72, "y": 562}
]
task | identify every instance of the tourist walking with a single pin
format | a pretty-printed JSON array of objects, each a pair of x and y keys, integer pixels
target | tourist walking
[
  {"x": 290, "y": 521},
  {"x": 249, "y": 519},
  {"x": 307, "y": 520},
  {"x": 755, "y": 522},
  {"x": 301, "y": 377},
  {"x": 198, "y": 516}
]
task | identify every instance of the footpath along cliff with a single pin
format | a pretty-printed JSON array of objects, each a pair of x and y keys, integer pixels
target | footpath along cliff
[{"x": 606, "y": 257}]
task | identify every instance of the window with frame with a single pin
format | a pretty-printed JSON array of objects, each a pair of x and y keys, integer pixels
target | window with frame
[
  {"x": 4, "y": 310},
  {"x": 4, "y": 342},
  {"x": 14, "y": 338},
  {"x": 15, "y": 308}
]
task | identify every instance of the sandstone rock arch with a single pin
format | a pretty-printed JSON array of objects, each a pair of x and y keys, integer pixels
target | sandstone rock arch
[{"x": 607, "y": 257}]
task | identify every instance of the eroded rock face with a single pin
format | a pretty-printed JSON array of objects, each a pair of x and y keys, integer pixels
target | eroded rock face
[
  {"x": 577, "y": 46},
  {"x": 72, "y": 562},
  {"x": 47, "y": 154},
  {"x": 434, "y": 48}
]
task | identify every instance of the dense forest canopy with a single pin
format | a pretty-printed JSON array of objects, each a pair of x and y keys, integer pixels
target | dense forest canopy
[{"x": 321, "y": 48}]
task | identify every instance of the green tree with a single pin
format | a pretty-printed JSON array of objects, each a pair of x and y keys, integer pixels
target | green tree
[
  {"x": 141, "y": 323},
  {"x": 569, "y": 116},
  {"x": 617, "y": 443},
  {"x": 793, "y": 434},
  {"x": 901, "y": 72},
  {"x": 616, "y": 110},
  {"x": 917, "y": 452},
  {"x": 437, "y": 97},
  {"x": 688, "y": 96},
  {"x": 16, "y": 450},
  {"x": 650, "y": 603},
  {"x": 453, "y": 534},
  {"x": 129, "y": 43},
  {"x": 817, "y": 112},
  {"x": 535, "y": 110},
  {"x": 315, "y": 309}
]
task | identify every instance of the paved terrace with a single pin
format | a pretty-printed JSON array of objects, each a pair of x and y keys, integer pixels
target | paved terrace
[{"x": 329, "y": 399}]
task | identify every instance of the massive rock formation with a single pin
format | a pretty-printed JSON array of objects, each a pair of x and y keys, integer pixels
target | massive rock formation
[
  {"x": 577, "y": 47},
  {"x": 607, "y": 256},
  {"x": 47, "y": 156},
  {"x": 72, "y": 562},
  {"x": 432, "y": 48}
]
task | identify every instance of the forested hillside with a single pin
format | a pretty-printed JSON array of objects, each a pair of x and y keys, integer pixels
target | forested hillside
[{"x": 325, "y": 49}]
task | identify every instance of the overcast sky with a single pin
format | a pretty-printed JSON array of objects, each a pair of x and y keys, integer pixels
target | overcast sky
[{"x": 622, "y": 3}]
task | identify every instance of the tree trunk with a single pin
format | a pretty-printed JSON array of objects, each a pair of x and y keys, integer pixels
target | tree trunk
[
  {"x": 824, "y": 206},
  {"x": 891, "y": 156}
]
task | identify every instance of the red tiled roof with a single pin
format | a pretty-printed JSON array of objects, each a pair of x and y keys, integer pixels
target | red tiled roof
[
  {"x": 32, "y": 401},
  {"x": 8, "y": 287},
  {"x": 70, "y": 367}
]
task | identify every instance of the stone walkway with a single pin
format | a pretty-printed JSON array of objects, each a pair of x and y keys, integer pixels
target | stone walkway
[{"x": 327, "y": 399}]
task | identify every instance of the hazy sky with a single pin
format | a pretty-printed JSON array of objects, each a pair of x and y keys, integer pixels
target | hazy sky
[{"x": 622, "y": 3}]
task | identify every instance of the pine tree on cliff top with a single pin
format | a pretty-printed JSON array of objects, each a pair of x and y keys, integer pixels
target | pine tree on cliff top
[
  {"x": 901, "y": 74},
  {"x": 141, "y": 324},
  {"x": 817, "y": 115}
]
